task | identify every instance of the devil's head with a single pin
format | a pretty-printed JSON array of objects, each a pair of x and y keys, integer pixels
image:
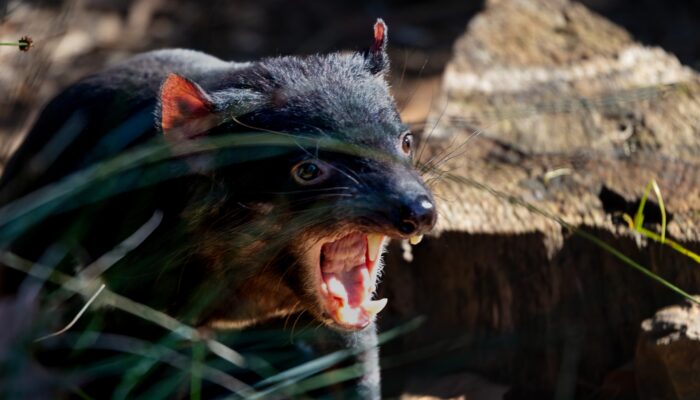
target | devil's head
[{"x": 301, "y": 217}]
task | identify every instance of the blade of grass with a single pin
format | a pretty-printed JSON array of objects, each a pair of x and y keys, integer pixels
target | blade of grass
[
  {"x": 660, "y": 200},
  {"x": 579, "y": 232},
  {"x": 164, "y": 389},
  {"x": 329, "y": 378},
  {"x": 37, "y": 205},
  {"x": 132, "y": 376},
  {"x": 103, "y": 263},
  {"x": 122, "y": 303},
  {"x": 671, "y": 243},
  {"x": 639, "y": 215},
  {"x": 198, "y": 355},
  {"x": 166, "y": 355},
  {"x": 637, "y": 223},
  {"x": 76, "y": 318},
  {"x": 294, "y": 375}
]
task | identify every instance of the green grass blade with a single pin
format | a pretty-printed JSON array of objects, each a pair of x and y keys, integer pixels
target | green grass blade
[
  {"x": 579, "y": 232},
  {"x": 660, "y": 200},
  {"x": 671, "y": 243},
  {"x": 198, "y": 354},
  {"x": 639, "y": 215},
  {"x": 294, "y": 375}
]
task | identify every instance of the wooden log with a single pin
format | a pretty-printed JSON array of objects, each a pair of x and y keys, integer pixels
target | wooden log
[{"x": 550, "y": 104}]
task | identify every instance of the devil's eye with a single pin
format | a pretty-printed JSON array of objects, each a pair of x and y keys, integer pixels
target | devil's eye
[
  {"x": 307, "y": 172},
  {"x": 407, "y": 143}
]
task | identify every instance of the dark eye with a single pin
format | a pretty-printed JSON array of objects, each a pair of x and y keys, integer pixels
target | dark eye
[
  {"x": 307, "y": 172},
  {"x": 407, "y": 143}
]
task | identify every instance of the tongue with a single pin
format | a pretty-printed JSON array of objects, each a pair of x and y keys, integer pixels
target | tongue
[{"x": 349, "y": 286}]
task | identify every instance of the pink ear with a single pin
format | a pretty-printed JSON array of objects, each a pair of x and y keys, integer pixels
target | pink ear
[
  {"x": 379, "y": 36},
  {"x": 377, "y": 59},
  {"x": 186, "y": 110}
]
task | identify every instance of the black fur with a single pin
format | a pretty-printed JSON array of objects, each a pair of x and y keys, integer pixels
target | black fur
[{"x": 229, "y": 244}]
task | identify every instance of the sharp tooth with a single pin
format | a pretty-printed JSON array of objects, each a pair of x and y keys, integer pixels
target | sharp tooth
[
  {"x": 415, "y": 239},
  {"x": 373, "y": 307},
  {"x": 374, "y": 244},
  {"x": 365, "y": 279}
]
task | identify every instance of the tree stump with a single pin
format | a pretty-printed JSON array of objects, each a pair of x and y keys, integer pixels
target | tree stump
[{"x": 551, "y": 104}]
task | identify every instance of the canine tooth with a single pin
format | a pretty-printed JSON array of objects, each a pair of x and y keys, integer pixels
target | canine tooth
[
  {"x": 416, "y": 239},
  {"x": 374, "y": 244},
  {"x": 373, "y": 307},
  {"x": 364, "y": 277}
]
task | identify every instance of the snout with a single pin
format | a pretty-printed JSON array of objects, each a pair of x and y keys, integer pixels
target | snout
[
  {"x": 392, "y": 200},
  {"x": 417, "y": 215},
  {"x": 407, "y": 202}
]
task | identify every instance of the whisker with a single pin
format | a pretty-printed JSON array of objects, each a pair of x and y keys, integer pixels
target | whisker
[
  {"x": 415, "y": 90},
  {"x": 403, "y": 69},
  {"x": 342, "y": 171},
  {"x": 454, "y": 153},
  {"x": 430, "y": 134},
  {"x": 310, "y": 190},
  {"x": 291, "y": 334},
  {"x": 425, "y": 140}
]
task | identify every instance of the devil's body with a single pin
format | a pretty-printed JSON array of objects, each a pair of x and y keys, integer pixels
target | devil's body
[{"x": 231, "y": 249}]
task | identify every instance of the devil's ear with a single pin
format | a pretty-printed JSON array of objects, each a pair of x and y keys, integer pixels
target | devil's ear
[
  {"x": 377, "y": 59},
  {"x": 186, "y": 111}
]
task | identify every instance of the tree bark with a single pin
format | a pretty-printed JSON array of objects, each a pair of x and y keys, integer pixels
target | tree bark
[{"x": 549, "y": 104}]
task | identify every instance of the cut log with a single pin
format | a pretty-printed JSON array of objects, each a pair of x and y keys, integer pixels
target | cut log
[{"x": 550, "y": 104}]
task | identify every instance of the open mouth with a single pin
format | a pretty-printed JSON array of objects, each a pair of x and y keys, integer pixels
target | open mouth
[{"x": 349, "y": 268}]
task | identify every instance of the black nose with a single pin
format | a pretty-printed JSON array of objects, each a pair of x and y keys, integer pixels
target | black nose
[{"x": 417, "y": 216}]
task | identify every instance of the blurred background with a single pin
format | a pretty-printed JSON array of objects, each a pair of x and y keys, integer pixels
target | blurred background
[{"x": 75, "y": 38}]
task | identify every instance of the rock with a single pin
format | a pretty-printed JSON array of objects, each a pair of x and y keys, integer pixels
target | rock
[{"x": 668, "y": 354}]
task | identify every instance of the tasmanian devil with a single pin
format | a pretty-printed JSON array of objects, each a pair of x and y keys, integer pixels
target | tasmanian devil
[{"x": 283, "y": 180}]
